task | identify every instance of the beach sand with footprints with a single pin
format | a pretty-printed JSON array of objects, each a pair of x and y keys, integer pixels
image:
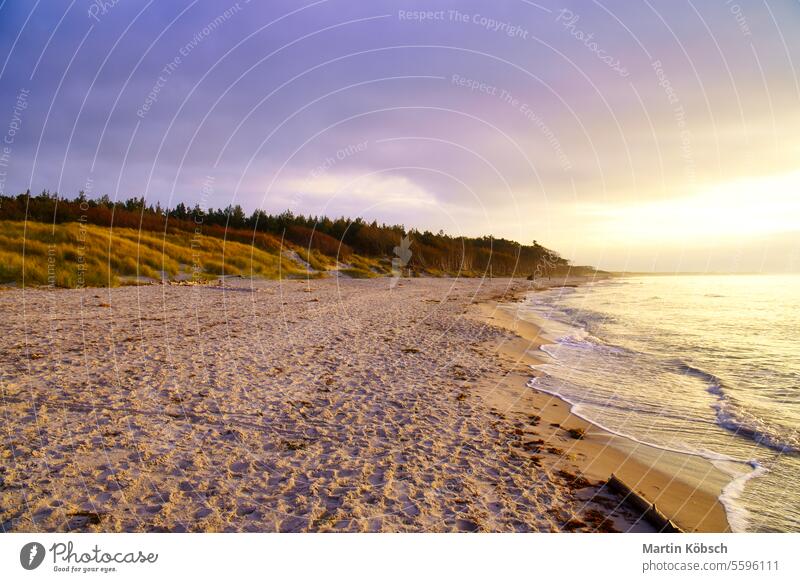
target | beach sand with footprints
[{"x": 321, "y": 405}]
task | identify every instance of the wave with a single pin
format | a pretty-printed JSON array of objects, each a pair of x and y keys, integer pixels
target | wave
[
  {"x": 579, "y": 350},
  {"x": 607, "y": 403},
  {"x": 581, "y": 339},
  {"x": 736, "y": 513},
  {"x": 577, "y": 317},
  {"x": 738, "y": 516},
  {"x": 577, "y": 408},
  {"x": 727, "y": 414},
  {"x": 732, "y": 419}
]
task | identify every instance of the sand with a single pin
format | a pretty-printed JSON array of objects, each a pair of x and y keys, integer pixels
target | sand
[
  {"x": 322, "y": 405},
  {"x": 685, "y": 488}
]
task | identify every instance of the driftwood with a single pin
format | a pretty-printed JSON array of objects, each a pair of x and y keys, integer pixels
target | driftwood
[{"x": 648, "y": 510}]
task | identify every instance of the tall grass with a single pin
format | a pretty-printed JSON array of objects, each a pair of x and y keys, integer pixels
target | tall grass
[{"x": 76, "y": 254}]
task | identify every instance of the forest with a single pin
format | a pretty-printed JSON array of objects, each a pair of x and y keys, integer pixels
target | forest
[{"x": 322, "y": 242}]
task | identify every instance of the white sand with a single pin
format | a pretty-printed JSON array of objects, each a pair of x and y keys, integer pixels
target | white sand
[{"x": 289, "y": 406}]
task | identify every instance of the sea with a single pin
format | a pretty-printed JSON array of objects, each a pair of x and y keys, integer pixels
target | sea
[{"x": 706, "y": 365}]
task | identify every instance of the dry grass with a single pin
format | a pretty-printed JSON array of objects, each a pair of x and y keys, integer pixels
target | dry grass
[
  {"x": 74, "y": 255},
  {"x": 316, "y": 259}
]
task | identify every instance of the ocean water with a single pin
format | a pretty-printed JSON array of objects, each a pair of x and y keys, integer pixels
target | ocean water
[{"x": 707, "y": 365}]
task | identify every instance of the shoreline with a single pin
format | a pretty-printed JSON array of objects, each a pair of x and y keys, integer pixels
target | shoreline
[
  {"x": 308, "y": 405},
  {"x": 599, "y": 452},
  {"x": 285, "y": 406}
]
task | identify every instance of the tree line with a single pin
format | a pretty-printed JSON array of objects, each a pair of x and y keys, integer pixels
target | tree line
[{"x": 339, "y": 237}]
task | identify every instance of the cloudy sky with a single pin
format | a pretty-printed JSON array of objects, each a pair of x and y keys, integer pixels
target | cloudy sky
[{"x": 656, "y": 135}]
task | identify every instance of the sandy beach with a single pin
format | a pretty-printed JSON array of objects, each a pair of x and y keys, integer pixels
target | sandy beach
[
  {"x": 322, "y": 405},
  {"x": 685, "y": 488}
]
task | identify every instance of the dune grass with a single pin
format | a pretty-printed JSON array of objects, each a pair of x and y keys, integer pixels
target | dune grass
[
  {"x": 356, "y": 266},
  {"x": 84, "y": 255}
]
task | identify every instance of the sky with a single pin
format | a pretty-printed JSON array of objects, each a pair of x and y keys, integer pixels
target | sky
[{"x": 661, "y": 135}]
